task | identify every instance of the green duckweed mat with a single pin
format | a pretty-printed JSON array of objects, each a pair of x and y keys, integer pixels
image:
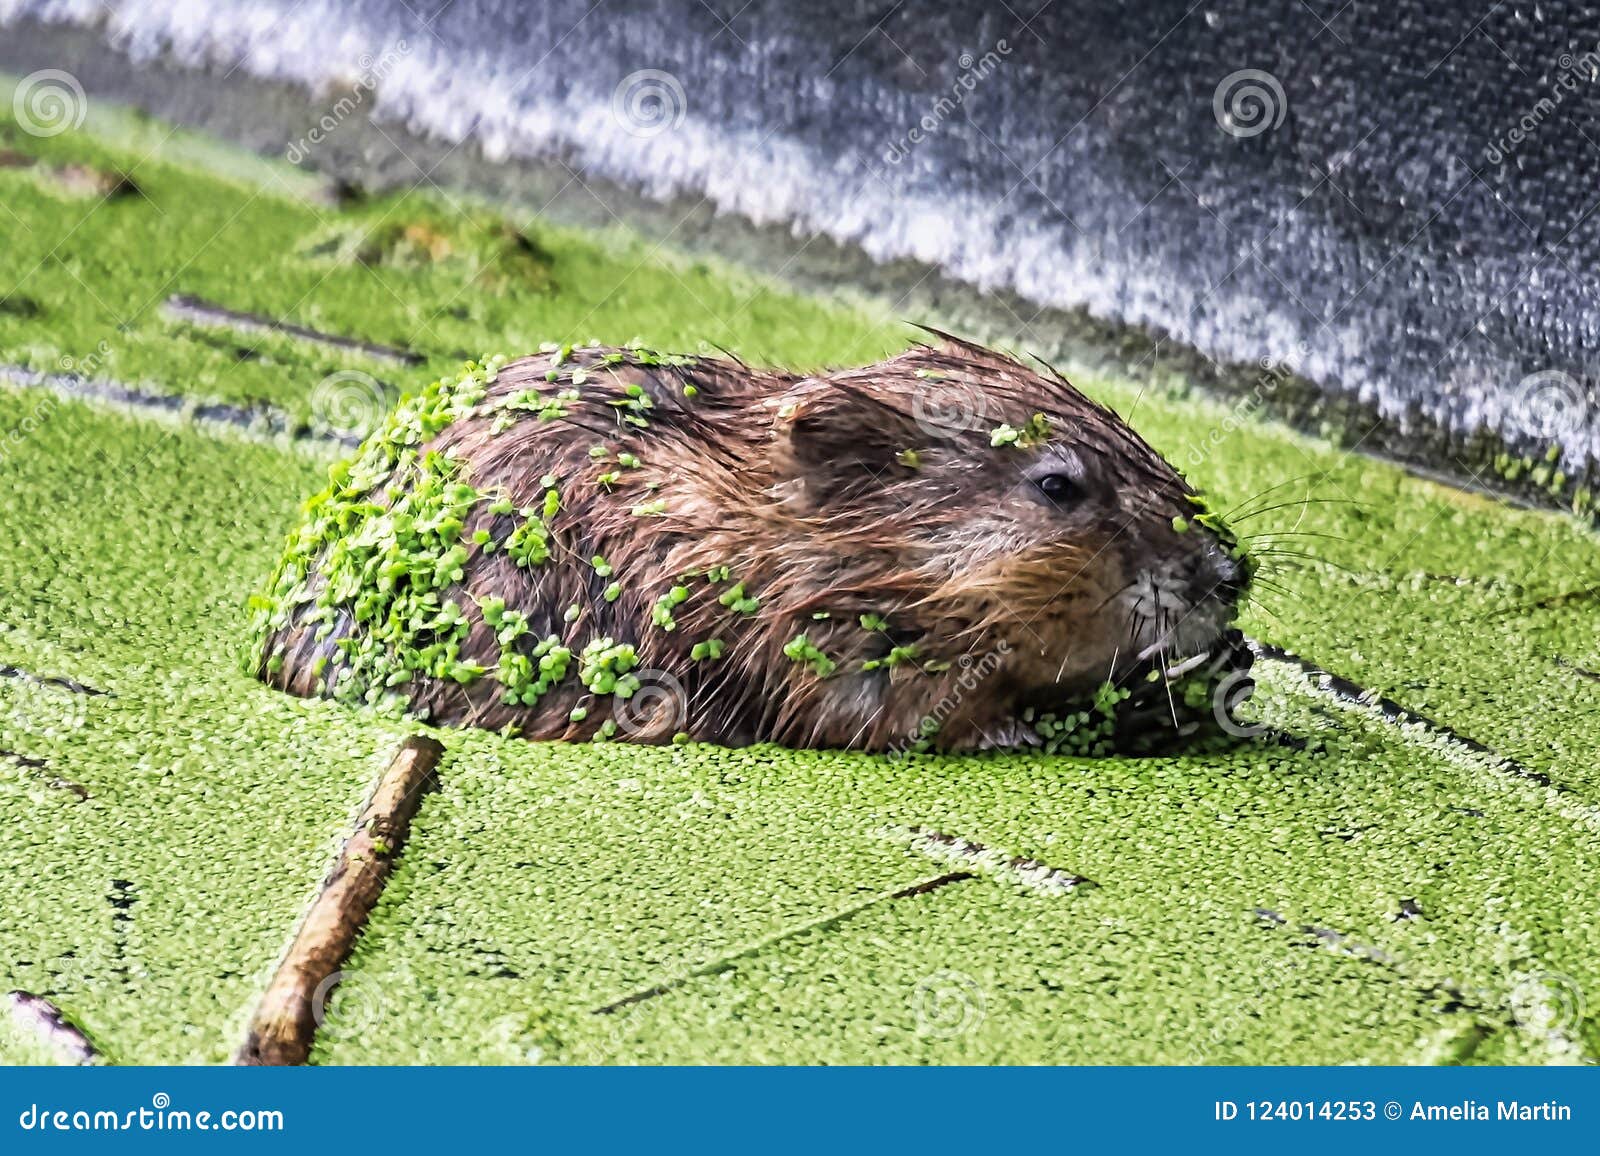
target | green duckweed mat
[{"x": 1368, "y": 889}]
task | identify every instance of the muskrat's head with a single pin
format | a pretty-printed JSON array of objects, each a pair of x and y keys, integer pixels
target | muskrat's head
[{"x": 1009, "y": 512}]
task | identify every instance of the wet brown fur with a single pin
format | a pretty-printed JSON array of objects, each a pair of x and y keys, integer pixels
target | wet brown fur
[{"x": 793, "y": 483}]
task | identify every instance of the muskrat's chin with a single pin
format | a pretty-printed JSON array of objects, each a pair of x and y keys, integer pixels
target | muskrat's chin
[
  {"x": 1202, "y": 629},
  {"x": 1151, "y": 708},
  {"x": 1158, "y": 665}
]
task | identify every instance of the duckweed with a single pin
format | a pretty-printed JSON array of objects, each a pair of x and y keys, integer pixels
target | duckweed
[
  {"x": 661, "y": 613},
  {"x": 895, "y": 657},
  {"x": 605, "y": 665},
  {"x": 1420, "y": 867},
  {"x": 735, "y": 599},
  {"x": 801, "y": 649},
  {"x": 1036, "y": 431},
  {"x": 386, "y": 539}
]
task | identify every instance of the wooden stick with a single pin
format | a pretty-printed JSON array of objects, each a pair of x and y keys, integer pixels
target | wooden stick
[
  {"x": 45, "y": 1022},
  {"x": 287, "y": 1018}
]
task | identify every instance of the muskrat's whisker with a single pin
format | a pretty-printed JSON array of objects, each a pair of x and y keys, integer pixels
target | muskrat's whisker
[
  {"x": 1260, "y": 604},
  {"x": 1134, "y": 408},
  {"x": 1303, "y": 502},
  {"x": 1161, "y": 661},
  {"x": 1317, "y": 558},
  {"x": 1270, "y": 547},
  {"x": 1258, "y": 577},
  {"x": 1293, "y": 534},
  {"x": 1260, "y": 583},
  {"x": 1115, "y": 594},
  {"x": 1284, "y": 552},
  {"x": 1256, "y": 497},
  {"x": 1133, "y": 630},
  {"x": 1111, "y": 669},
  {"x": 1280, "y": 591}
]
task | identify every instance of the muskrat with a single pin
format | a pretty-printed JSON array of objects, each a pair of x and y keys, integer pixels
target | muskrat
[{"x": 592, "y": 542}]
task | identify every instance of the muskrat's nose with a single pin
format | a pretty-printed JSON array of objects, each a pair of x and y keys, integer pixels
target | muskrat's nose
[
  {"x": 1216, "y": 571},
  {"x": 1231, "y": 571}
]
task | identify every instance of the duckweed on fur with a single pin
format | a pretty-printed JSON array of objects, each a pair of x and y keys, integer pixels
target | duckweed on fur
[{"x": 385, "y": 539}]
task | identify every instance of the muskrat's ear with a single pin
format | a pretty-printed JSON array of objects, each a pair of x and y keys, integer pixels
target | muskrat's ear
[{"x": 831, "y": 439}]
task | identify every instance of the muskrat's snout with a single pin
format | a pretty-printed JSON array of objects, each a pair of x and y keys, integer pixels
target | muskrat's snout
[
  {"x": 1186, "y": 577},
  {"x": 1217, "y": 572}
]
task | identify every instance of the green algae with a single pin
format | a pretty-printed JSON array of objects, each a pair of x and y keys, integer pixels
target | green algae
[
  {"x": 1209, "y": 871},
  {"x": 1367, "y": 893},
  {"x": 155, "y": 908}
]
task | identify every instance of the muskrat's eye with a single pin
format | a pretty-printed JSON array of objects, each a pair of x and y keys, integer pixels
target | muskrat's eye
[{"x": 1058, "y": 488}]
